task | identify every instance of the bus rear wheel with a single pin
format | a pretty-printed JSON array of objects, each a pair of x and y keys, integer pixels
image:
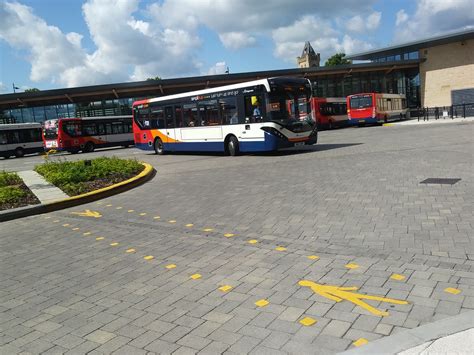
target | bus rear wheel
[
  {"x": 233, "y": 146},
  {"x": 158, "y": 146},
  {"x": 19, "y": 152},
  {"x": 89, "y": 147}
]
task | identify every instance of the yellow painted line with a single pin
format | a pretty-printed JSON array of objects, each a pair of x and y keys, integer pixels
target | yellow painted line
[
  {"x": 229, "y": 235},
  {"x": 195, "y": 276},
  {"x": 397, "y": 277},
  {"x": 66, "y": 225},
  {"x": 387, "y": 124},
  {"x": 225, "y": 288},
  {"x": 308, "y": 321},
  {"x": 208, "y": 230},
  {"x": 360, "y": 342},
  {"x": 88, "y": 213},
  {"x": 99, "y": 203},
  {"x": 339, "y": 294},
  {"x": 130, "y": 211},
  {"x": 252, "y": 241},
  {"x": 56, "y": 221},
  {"x": 143, "y": 214},
  {"x": 313, "y": 257},
  {"x": 114, "y": 244},
  {"x": 280, "y": 248},
  {"x": 156, "y": 217},
  {"x": 76, "y": 229},
  {"x": 109, "y": 205},
  {"x": 149, "y": 257},
  {"x": 99, "y": 238},
  {"x": 172, "y": 221},
  {"x": 352, "y": 266},
  {"x": 47, "y": 217},
  {"x": 261, "y": 303},
  {"x": 87, "y": 233},
  {"x": 452, "y": 290},
  {"x": 131, "y": 250},
  {"x": 170, "y": 266},
  {"x": 118, "y": 208},
  {"x": 189, "y": 225}
]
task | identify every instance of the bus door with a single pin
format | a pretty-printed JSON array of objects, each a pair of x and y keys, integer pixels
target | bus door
[{"x": 173, "y": 118}]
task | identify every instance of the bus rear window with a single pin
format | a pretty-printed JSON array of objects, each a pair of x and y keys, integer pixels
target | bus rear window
[{"x": 361, "y": 101}]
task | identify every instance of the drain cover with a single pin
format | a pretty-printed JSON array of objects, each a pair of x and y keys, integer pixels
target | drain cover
[{"x": 440, "y": 181}]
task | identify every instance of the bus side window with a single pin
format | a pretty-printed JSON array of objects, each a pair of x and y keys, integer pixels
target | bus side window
[
  {"x": 108, "y": 128},
  {"x": 228, "y": 107},
  {"x": 3, "y": 138},
  {"x": 178, "y": 114},
  {"x": 169, "y": 117},
  {"x": 157, "y": 117},
  {"x": 100, "y": 129},
  {"x": 251, "y": 103},
  {"x": 190, "y": 115},
  {"x": 13, "y": 137}
]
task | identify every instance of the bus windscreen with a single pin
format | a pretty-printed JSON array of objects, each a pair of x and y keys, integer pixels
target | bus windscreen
[{"x": 361, "y": 101}]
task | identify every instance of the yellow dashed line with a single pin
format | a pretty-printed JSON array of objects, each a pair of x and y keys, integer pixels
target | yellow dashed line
[
  {"x": 207, "y": 230},
  {"x": 172, "y": 221},
  {"x": 170, "y": 266},
  {"x": 397, "y": 277},
  {"x": 352, "y": 266},
  {"x": 156, "y": 217},
  {"x": 99, "y": 238},
  {"x": 360, "y": 342},
  {"x": 308, "y": 321},
  {"x": 452, "y": 290},
  {"x": 114, "y": 244},
  {"x": 225, "y": 288},
  {"x": 280, "y": 248},
  {"x": 143, "y": 214},
  {"x": 229, "y": 235},
  {"x": 66, "y": 225},
  {"x": 76, "y": 229},
  {"x": 109, "y": 205},
  {"x": 56, "y": 221},
  {"x": 252, "y": 241},
  {"x": 313, "y": 257},
  {"x": 130, "y": 211},
  {"x": 86, "y": 233},
  {"x": 131, "y": 250},
  {"x": 261, "y": 303},
  {"x": 148, "y": 257},
  {"x": 189, "y": 225},
  {"x": 195, "y": 276},
  {"x": 47, "y": 217},
  {"x": 118, "y": 208}
]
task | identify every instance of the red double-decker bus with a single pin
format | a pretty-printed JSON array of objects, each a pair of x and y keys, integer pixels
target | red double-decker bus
[
  {"x": 86, "y": 134},
  {"x": 375, "y": 108},
  {"x": 330, "y": 112}
]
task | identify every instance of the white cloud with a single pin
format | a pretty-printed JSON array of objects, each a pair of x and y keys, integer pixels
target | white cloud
[
  {"x": 358, "y": 24},
  {"x": 433, "y": 17},
  {"x": 236, "y": 40},
  {"x": 3, "y": 88},
  {"x": 402, "y": 16},
  {"x": 218, "y": 68}
]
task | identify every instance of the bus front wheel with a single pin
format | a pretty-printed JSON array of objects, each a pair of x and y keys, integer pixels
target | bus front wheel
[
  {"x": 19, "y": 152},
  {"x": 158, "y": 146},
  {"x": 233, "y": 146},
  {"x": 89, "y": 147}
]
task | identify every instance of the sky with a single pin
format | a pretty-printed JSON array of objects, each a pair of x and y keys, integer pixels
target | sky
[{"x": 49, "y": 44}]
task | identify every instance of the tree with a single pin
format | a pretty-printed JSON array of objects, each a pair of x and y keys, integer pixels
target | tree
[
  {"x": 155, "y": 78},
  {"x": 32, "y": 90},
  {"x": 337, "y": 59}
]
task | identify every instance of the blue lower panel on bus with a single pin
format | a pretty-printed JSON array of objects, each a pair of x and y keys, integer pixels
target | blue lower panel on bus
[{"x": 356, "y": 121}]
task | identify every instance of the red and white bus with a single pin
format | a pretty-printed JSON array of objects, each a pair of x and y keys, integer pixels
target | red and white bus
[
  {"x": 375, "y": 108},
  {"x": 87, "y": 133},
  {"x": 330, "y": 112}
]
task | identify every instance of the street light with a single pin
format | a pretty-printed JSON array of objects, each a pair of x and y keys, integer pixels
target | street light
[{"x": 15, "y": 87}]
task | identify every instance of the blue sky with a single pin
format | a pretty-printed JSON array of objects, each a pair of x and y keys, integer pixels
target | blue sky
[{"x": 57, "y": 43}]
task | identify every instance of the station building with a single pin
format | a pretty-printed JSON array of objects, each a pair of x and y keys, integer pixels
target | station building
[{"x": 432, "y": 72}]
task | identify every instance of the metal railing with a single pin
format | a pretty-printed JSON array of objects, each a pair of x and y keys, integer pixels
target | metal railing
[{"x": 444, "y": 112}]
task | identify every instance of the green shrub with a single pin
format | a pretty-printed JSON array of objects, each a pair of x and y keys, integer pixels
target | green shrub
[
  {"x": 7, "y": 179},
  {"x": 10, "y": 194}
]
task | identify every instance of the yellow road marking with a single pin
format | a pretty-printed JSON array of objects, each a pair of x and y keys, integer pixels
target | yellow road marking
[
  {"x": 170, "y": 266},
  {"x": 261, "y": 303},
  {"x": 109, "y": 205},
  {"x": 66, "y": 225},
  {"x": 280, "y": 248},
  {"x": 114, "y": 244},
  {"x": 225, "y": 288},
  {"x": 352, "y": 266},
  {"x": 189, "y": 225},
  {"x": 47, "y": 217},
  {"x": 148, "y": 257},
  {"x": 253, "y": 241},
  {"x": 99, "y": 238},
  {"x": 88, "y": 213},
  {"x": 143, "y": 214},
  {"x": 156, "y": 217},
  {"x": 360, "y": 342},
  {"x": 452, "y": 290},
  {"x": 118, "y": 208},
  {"x": 397, "y": 277},
  {"x": 313, "y": 257},
  {"x": 339, "y": 294},
  {"x": 76, "y": 229},
  {"x": 130, "y": 211},
  {"x": 229, "y": 235},
  {"x": 131, "y": 250},
  {"x": 208, "y": 230},
  {"x": 172, "y": 221},
  {"x": 87, "y": 233},
  {"x": 99, "y": 203},
  {"x": 56, "y": 221},
  {"x": 307, "y": 321},
  {"x": 195, "y": 276},
  {"x": 387, "y": 124}
]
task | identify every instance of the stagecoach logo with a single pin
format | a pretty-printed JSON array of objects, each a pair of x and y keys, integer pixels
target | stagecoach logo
[{"x": 245, "y": 91}]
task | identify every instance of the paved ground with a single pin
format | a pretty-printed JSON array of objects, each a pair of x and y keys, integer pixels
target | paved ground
[{"x": 349, "y": 212}]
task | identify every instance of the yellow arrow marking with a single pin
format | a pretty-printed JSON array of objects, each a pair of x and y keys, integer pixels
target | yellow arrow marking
[
  {"x": 339, "y": 294},
  {"x": 88, "y": 213}
]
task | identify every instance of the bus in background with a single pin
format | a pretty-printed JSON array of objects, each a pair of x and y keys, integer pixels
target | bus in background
[
  {"x": 375, "y": 108},
  {"x": 330, "y": 112},
  {"x": 248, "y": 117},
  {"x": 87, "y": 133},
  {"x": 19, "y": 139}
]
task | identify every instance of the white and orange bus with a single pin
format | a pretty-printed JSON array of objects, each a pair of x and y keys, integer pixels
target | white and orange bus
[
  {"x": 87, "y": 133},
  {"x": 375, "y": 108},
  {"x": 330, "y": 112}
]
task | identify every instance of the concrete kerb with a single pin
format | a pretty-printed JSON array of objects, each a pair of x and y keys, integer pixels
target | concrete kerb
[
  {"x": 411, "y": 338},
  {"x": 147, "y": 174}
]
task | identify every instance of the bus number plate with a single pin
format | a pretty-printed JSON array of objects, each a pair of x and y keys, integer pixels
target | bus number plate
[{"x": 299, "y": 144}]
